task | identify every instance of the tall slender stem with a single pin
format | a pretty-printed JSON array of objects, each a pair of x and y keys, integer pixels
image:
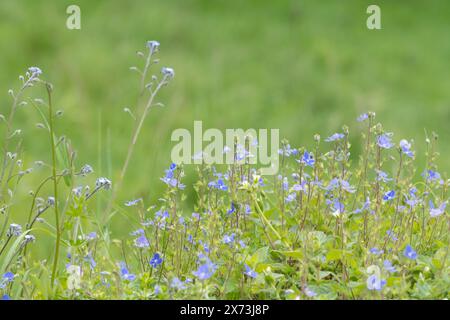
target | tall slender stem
[
  {"x": 133, "y": 142},
  {"x": 55, "y": 184}
]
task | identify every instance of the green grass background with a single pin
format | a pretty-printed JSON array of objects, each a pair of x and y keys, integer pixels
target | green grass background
[{"x": 305, "y": 67}]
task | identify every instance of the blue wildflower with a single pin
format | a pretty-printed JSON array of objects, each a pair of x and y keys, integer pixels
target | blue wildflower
[
  {"x": 375, "y": 283},
  {"x": 410, "y": 253},
  {"x": 137, "y": 232},
  {"x": 384, "y": 141},
  {"x": 389, "y": 195},
  {"x": 177, "y": 284},
  {"x": 337, "y": 207},
  {"x": 290, "y": 197},
  {"x": 388, "y": 266},
  {"x": 435, "y": 212},
  {"x": 205, "y": 247},
  {"x": 168, "y": 72},
  {"x": 156, "y": 260},
  {"x": 125, "y": 274},
  {"x": 164, "y": 215},
  {"x": 285, "y": 184},
  {"x": 5, "y": 297},
  {"x": 249, "y": 272},
  {"x": 335, "y": 137},
  {"x": 242, "y": 153},
  {"x": 90, "y": 260},
  {"x": 261, "y": 182},
  {"x": 365, "y": 206},
  {"x": 157, "y": 289},
  {"x": 14, "y": 230},
  {"x": 308, "y": 159},
  {"x": 91, "y": 236},
  {"x": 104, "y": 278},
  {"x": 169, "y": 178},
  {"x": 287, "y": 151},
  {"x": 232, "y": 209},
  {"x": 219, "y": 184},
  {"x": 8, "y": 276},
  {"x": 362, "y": 117},
  {"x": 309, "y": 292},
  {"x": 33, "y": 73},
  {"x": 132, "y": 202},
  {"x": 376, "y": 251},
  {"x": 300, "y": 187},
  {"x": 153, "y": 45},
  {"x": 346, "y": 186},
  {"x": 433, "y": 176},
  {"x": 334, "y": 183},
  {"x": 406, "y": 148},
  {"x": 141, "y": 242},
  {"x": 392, "y": 235},
  {"x": 205, "y": 270},
  {"x": 227, "y": 239},
  {"x": 382, "y": 176},
  {"x": 412, "y": 200},
  {"x": 103, "y": 182}
]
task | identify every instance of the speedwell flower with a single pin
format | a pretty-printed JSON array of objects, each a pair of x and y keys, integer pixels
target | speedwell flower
[
  {"x": 435, "y": 212},
  {"x": 156, "y": 260},
  {"x": 389, "y": 195},
  {"x": 410, "y": 253},
  {"x": 406, "y": 148},
  {"x": 249, "y": 272},
  {"x": 335, "y": 137},
  {"x": 384, "y": 141}
]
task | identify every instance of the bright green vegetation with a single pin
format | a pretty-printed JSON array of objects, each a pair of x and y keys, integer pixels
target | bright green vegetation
[{"x": 300, "y": 66}]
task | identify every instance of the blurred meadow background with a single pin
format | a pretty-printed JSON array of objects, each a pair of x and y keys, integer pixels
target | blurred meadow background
[{"x": 305, "y": 67}]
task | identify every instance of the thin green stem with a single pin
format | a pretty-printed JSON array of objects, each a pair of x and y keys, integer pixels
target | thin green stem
[{"x": 55, "y": 183}]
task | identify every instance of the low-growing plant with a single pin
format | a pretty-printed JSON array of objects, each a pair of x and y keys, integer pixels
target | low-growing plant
[{"x": 323, "y": 228}]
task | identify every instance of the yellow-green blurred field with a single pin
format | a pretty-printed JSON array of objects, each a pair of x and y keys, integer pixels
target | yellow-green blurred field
[{"x": 305, "y": 67}]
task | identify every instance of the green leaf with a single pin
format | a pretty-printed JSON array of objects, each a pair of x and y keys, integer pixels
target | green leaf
[
  {"x": 259, "y": 256},
  {"x": 62, "y": 156},
  {"x": 334, "y": 254},
  {"x": 297, "y": 254},
  {"x": 324, "y": 274},
  {"x": 12, "y": 250}
]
